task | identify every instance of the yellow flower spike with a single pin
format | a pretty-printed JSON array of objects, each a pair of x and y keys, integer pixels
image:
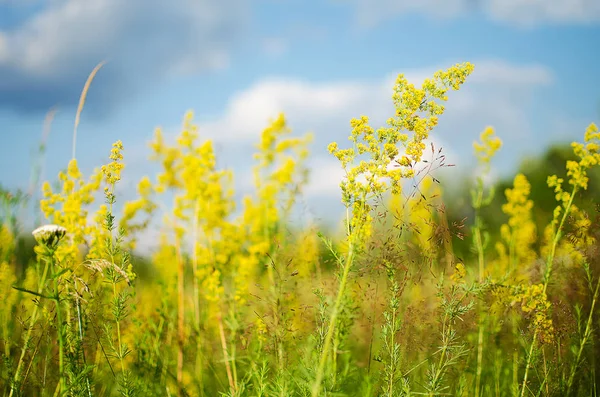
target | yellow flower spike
[
  {"x": 112, "y": 171},
  {"x": 519, "y": 234},
  {"x": 73, "y": 170},
  {"x": 459, "y": 273},
  {"x": 487, "y": 148}
]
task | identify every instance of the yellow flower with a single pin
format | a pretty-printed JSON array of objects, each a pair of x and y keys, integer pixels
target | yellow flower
[
  {"x": 370, "y": 166},
  {"x": 459, "y": 273},
  {"x": 112, "y": 171},
  {"x": 519, "y": 234},
  {"x": 533, "y": 300},
  {"x": 487, "y": 148}
]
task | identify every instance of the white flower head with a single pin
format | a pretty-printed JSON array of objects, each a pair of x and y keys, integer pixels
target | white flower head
[{"x": 49, "y": 235}]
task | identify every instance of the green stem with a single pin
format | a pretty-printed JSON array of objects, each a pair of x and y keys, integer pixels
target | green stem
[
  {"x": 440, "y": 366},
  {"x": 30, "y": 328},
  {"x": 111, "y": 249},
  {"x": 61, "y": 341},
  {"x": 481, "y": 261},
  {"x": 80, "y": 326},
  {"x": 584, "y": 340},
  {"x": 338, "y": 302},
  {"x": 199, "y": 347},
  {"x": 547, "y": 273}
]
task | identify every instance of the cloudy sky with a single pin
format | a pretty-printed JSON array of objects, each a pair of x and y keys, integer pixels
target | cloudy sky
[{"x": 237, "y": 63}]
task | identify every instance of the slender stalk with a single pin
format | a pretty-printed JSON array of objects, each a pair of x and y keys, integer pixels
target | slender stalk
[
  {"x": 61, "y": 341},
  {"x": 86, "y": 87},
  {"x": 196, "y": 286},
  {"x": 481, "y": 261},
  {"x": 440, "y": 365},
  {"x": 33, "y": 319},
  {"x": 229, "y": 360},
  {"x": 111, "y": 250},
  {"x": 349, "y": 260},
  {"x": 80, "y": 329},
  {"x": 586, "y": 336},
  {"x": 547, "y": 273},
  {"x": 225, "y": 354},
  {"x": 180, "y": 316}
]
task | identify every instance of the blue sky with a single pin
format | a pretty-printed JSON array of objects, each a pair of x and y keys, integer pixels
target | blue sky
[{"x": 237, "y": 63}]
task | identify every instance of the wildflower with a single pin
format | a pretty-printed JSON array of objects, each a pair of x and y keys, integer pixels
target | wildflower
[
  {"x": 487, "y": 148},
  {"x": 459, "y": 273},
  {"x": 261, "y": 330},
  {"x": 49, "y": 235},
  {"x": 533, "y": 300},
  {"x": 416, "y": 112},
  {"x": 112, "y": 171},
  {"x": 519, "y": 234},
  {"x": 589, "y": 156}
]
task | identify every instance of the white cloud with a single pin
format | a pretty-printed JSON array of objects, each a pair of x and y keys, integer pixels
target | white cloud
[
  {"x": 52, "y": 52},
  {"x": 498, "y": 72},
  {"x": 519, "y": 12},
  {"x": 531, "y": 12},
  {"x": 249, "y": 111},
  {"x": 325, "y": 177}
]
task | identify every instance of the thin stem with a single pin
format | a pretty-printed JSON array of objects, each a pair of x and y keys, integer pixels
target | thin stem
[
  {"x": 584, "y": 340},
  {"x": 481, "y": 261},
  {"x": 80, "y": 327},
  {"x": 31, "y": 325},
  {"x": 196, "y": 286},
  {"x": 547, "y": 274},
  {"x": 225, "y": 354},
  {"x": 59, "y": 329},
  {"x": 86, "y": 87},
  {"x": 180, "y": 315},
  {"x": 349, "y": 259}
]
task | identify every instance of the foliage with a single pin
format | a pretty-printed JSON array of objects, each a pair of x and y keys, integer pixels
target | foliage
[{"x": 235, "y": 300}]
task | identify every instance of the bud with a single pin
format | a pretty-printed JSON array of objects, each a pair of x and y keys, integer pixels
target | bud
[{"x": 49, "y": 235}]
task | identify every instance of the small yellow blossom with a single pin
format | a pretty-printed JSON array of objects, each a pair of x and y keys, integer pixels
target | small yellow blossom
[{"x": 487, "y": 148}]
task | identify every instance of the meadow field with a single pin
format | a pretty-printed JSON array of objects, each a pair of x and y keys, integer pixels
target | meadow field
[{"x": 235, "y": 299}]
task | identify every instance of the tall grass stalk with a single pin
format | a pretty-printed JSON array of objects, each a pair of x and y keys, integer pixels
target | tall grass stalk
[
  {"x": 84, "y": 92},
  {"x": 347, "y": 264},
  {"x": 587, "y": 333},
  {"x": 478, "y": 240},
  {"x": 180, "y": 313},
  {"x": 546, "y": 280},
  {"x": 48, "y": 259},
  {"x": 60, "y": 329}
]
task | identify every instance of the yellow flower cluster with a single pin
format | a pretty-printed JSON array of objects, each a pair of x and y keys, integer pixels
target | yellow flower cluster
[
  {"x": 9, "y": 299},
  {"x": 533, "y": 300},
  {"x": 487, "y": 148},
  {"x": 459, "y": 273},
  {"x": 420, "y": 215},
  {"x": 144, "y": 204},
  {"x": 278, "y": 176},
  {"x": 589, "y": 156},
  {"x": 7, "y": 242},
  {"x": 367, "y": 164},
  {"x": 519, "y": 234},
  {"x": 202, "y": 201},
  {"x": 112, "y": 171},
  {"x": 67, "y": 208},
  {"x": 260, "y": 330}
]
